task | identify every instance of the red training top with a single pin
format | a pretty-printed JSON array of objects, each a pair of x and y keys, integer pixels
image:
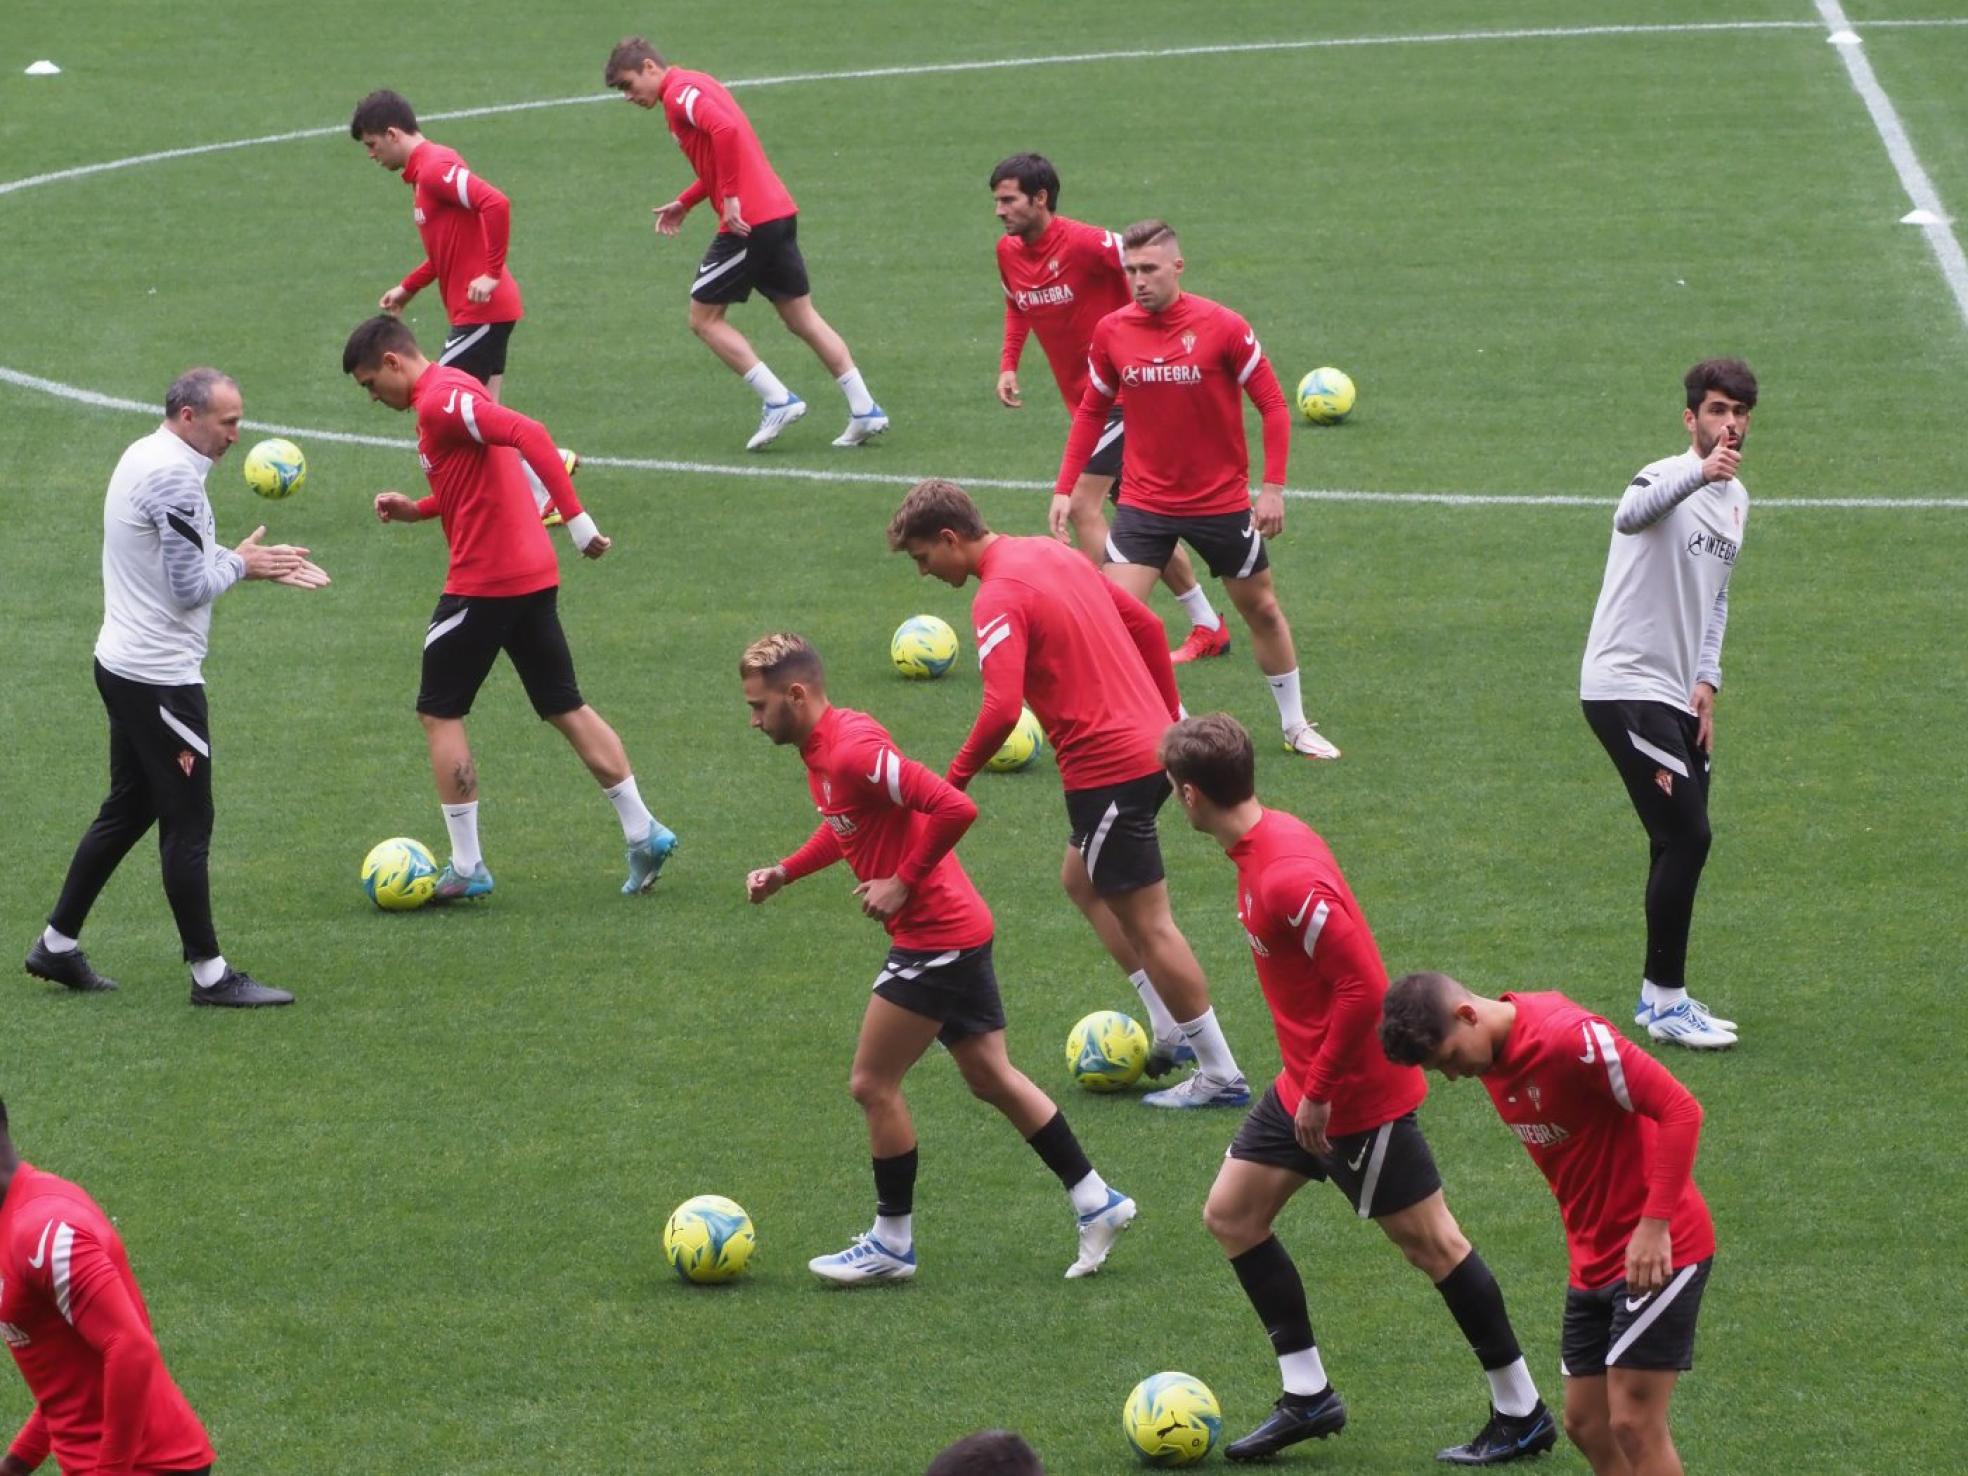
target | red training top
[
  {"x": 1062, "y": 285},
  {"x": 890, "y": 816},
  {"x": 718, "y": 140},
  {"x": 465, "y": 224}
]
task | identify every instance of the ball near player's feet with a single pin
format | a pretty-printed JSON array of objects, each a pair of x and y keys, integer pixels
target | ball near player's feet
[
  {"x": 399, "y": 874},
  {"x": 1325, "y": 396},
  {"x": 923, "y": 646},
  {"x": 1172, "y": 1419},
  {"x": 276, "y": 469},
  {"x": 1107, "y": 1051},
  {"x": 708, "y": 1239}
]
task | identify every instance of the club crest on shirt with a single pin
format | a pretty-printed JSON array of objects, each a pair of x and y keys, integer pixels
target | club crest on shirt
[
  {"x": 826, "y": 791},
  {"x": 1053, "y": 266},
  {"x": 1665, "y": 782},
  {"x": 186, "y": 759},
  {"x": 1188, "y": 343},
  {"x": 1536, "y": 1096}
]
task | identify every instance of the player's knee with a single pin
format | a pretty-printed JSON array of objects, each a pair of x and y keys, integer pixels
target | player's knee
[
  {"x": 1637, "y": 1431},
  {"x": 1587, "y": 1431},
  {"x": 871, "y": 1091},
  {"x": 1235, "y": 1227},
  {"x": 1073, "y": 877}
]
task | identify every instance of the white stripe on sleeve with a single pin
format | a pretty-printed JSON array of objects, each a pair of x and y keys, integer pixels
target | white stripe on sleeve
[
  {"x": 60, "y": 1255},
  {"x": 892, "y": 773},
  {"x": 1098, "y": 383},
  {"x": 1250, "y": 365},
  {"x": 465, "y": 408},
  {"x": 690, "y": 96},
  {"x": 464, "y": 196},
  {"x": 1609, "y": 1052}
]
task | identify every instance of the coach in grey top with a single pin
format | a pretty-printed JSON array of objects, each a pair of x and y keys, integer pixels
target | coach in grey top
[{"x": 162, "y": 567}]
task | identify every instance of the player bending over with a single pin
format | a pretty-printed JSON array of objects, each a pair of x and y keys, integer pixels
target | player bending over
[
  {"x": 1339, "y": 1111},
  {"x": 501, "y": 593},
  {"x": 896, "y": 823}
]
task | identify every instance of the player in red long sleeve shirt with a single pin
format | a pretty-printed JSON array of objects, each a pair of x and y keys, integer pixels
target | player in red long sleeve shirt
[
  {"x": 1339, "y": 1110},
  {"x": 1184, "y": 364},
  {"x": 1060, "y": 278},
  {"x": 72, "y": 1316},
  {"x": 501, "y": 593},
  {"x": 1093, "y": 662},
  {"x": 465, "y": 222},
  {"x": 757, "y": 240},
  {"x": 896, "y": 824},
  {"x": 1615, "y": 1135}
]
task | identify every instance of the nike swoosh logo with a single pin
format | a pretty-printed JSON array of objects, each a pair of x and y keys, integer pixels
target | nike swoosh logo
[
  {"x": 1590, "y": 1050},
  {"x": 450, "y": 174},
  {"x": 880, "y": 760},
  {"x": 1305, "y": 908},
  {"x": 451, "y": 403},
  {"x": 41, "y": 1251},
  {"x": 1354, "y": 1163},
  {"x": 1634, "y": 1304},
  {"x": 1249, "y": 528},
  {"x": 984, "y": 631},
  {"x": 1250, "y": 338}
]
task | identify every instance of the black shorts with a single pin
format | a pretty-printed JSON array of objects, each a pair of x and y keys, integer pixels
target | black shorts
[
  {"x": 768, "y": 259},
  {"x": 1229, "y": 542},
  {"x": 1114, "y": 832},
  {"x": 466, "y": 635},
  {"x": 1608, "y": 1329},
  {"x": 477, "y": 348},
  {"x": 1107, "y": 452},
  {"x": 956, "y": 986},
  {"x": 1381, "y": 1171},
  {"x": 160, "y": 747}
]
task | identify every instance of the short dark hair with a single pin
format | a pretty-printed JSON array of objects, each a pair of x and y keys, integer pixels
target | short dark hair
[
  {"x": 192, "y": 390},
  {"x": 1213, "y": 752},
  {"x": 1034, "y": 172},
  {"x": 381, "y": 111},
  {"x": 932, "y": 506},
  {"x": 987, "y": 1453},
  {"x": 1416, "y": 1016},
  {"x": 783, "y": 658},
  {"x": 1731, "y": 376},
  {"x": 1149, "y": 232},
  {"x": 374, "y": 337},
  {"x": 628, "y": 56}
]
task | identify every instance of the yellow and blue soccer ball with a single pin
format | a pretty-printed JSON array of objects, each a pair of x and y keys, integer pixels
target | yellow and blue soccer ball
[
  {"x": 1021, "y": 748},
  {"x": 276, "y": 469},
  {"x": 1172, "y": 1419},
  {"x": 1106, "y": 1051},
  {"x": 923, "y": 647},
  {"x": 1325, "y": 396},
  {"x": 399, "y": 874},
  {"x": 708, "y": 1239}
]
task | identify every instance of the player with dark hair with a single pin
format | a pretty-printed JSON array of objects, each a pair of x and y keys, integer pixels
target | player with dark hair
[
  {"x": 1184, "y": 364},
  {"x": 757, "y": 240},
  {"x": 465, "y": 222},
  {"x": 896, "y": 824},
  {"x": 1060, "y": 278},
  {"x": 501, "y": 592},
  {"x": 75, "y": 1321},
  {"x": 987, "y": 1453},
  {"x": 1338, "y": 1111},
  {"x": 1093, "y": 662},
  {"x": 1615, "y": 1136}
]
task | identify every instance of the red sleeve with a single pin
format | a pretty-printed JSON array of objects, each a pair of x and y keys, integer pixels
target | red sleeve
[
  {"x": 727, "y": 144},
  {"x": 949, "y": 810},
  {"x": 1090, "y": 419},
  {"x": 30, "y": 1447},
  {"x": 494, "y": 212},
  {"x": 421, "y": 276},
  {"x": 492, "y": 424},
  {"x": 1269, "y": 397},
  {"x": 113, "y": 1323},
  {"x": 1000, "y": 619},
  {"x": 1151, "y": 640},
  {"x": 822, "y": 849},
  {"x": 1331, "y": 940},
  {"x": 1641, "y": 1084},
  {"x": 427, "y": 505},
  {"x": 693, "y": 195},
  {"x": 1018, "y": 328}
]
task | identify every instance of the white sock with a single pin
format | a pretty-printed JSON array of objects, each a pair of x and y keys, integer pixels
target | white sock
[
  {"x": 1213, "y": 1058},
  {"x": 634, "y": 814},
  {"x": 859, "y": 401},
  {"x": 767, "y": 384},
  {"x": 1512, "y": 1390},
  {"x": 462, "y": 822},
  {"x": 205, "y": 972},
  {"x": 1291, "y": 706},
  {"x": 1660, "y": 996},
  {"x": 1160, "y": 1021},
  {"x": 1197, "y": 603},
  {"x": 1303, "y": 1372},
  {"x": 541, "y": 502},
  {"x": 1089, "y": 1195},
  {"x": 56, "y": 942},
  {"x": 896, "y": 1232}
]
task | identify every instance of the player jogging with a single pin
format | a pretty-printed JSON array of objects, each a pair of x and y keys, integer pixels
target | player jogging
[
  {"x": 77, "y": 1326},
  {"x": 1093, "y": 662},
  {"x": 1653, "y": 666},
  {"x": 896, "y": 824},
  {"x": 757, "y": 240},
  {"x": 465, "y": 223},
  {"x": 1339, "y": 1111},
  {"x": 1615, "y": 1135},
  {"x": 1184, "y": 364},
  {"x": 1060, "y": 278},
  {"x": 501, "y": 592}
]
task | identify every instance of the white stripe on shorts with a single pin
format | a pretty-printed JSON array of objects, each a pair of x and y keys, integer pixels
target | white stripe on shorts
[
  {"x": 444, "y": 627},
  {"x": 455, "y": 346},
  {"x": 1659, "y": 755},
  {"x": 1099, "y": 836},
  {"x": 1256, "y": 548},
  {"x": 1372, "y": 1180},
  {"x": 198, "y": 744},
  {"x": 720, "y": 269},
  {"x": 1645, "y": 1320}
]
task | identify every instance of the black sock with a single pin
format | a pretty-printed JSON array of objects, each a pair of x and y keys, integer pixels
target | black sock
[
  {"x": 1476, "y": 1302},
  {"x": 1061, "y": 1151},
  {"x": 1271, "y": 1282},
  {"x": 895, "y": 1184}
]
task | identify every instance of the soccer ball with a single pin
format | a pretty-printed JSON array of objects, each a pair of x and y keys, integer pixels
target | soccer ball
[
  {"x": 923, "y": 646},
  {"x": 1021, "y": 748},
  {"x": 276, "y": 469},
  {"x": 1325, "y": 396},
  {"x": 399, "y": 874},
  {"x": 1106, "y": 1051},
  {"x": 708, "y": 1239},
  {"x": 1172, "y": 1419}
]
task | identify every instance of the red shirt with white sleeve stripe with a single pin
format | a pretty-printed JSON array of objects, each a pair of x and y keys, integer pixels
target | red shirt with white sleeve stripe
[
  {"x": 1184, "y": 372},
  {"x": 466, "y": 225},
  {"x": 888, "y": 815},
  {"x": 1322, "y": 977},
  {"x": 721, "y": 145},
  {"x": 72, "y": 1316},
  {"x": 471, "y": 448},
  {"x": 1060, "y": 286},
  {"x": 1614, "y": 1133}
]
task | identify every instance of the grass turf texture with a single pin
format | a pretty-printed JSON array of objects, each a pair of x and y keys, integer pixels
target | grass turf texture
[{"x": 412, "y": 1223}]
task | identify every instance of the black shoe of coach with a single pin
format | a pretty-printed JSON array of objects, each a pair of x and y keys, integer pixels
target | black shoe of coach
[
  {"x": 239, "y": 990},
  {"x": 70, "y": 970},
  {"x": 1292, "y": 1419}
]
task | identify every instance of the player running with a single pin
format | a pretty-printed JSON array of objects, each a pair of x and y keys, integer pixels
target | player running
[
  {"x": 1339, "y": 1111},
  {"x": 1093, "y": 662},
  {"x": 76, "y": 1323},
  {"x": 896, "y": 824},
  {"x": 501, "y": 593},
  {"x": 1184, "y": 364},
  {"x": 1060, "y": 278},
  {"x": 757, "y": 240},
  {"x": 465, "y": 223},
  {"x": 1615, "y": 1135}
]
